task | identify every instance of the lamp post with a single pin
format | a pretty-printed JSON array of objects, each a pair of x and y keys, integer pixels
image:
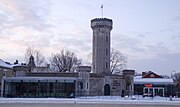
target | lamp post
[
  {"x": 172, "y": 73},
  {"x": 172, "y": 79}
]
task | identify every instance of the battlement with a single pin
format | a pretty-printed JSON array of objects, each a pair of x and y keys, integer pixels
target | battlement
[
  {"x": 84, "y": 69},
  {"x": 97, "y": 19},
  {"x": 101, "y": 22},
  {"x": 128, "y": 72}
]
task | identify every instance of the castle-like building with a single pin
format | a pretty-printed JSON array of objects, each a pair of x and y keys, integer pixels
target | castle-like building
[{"x": 31, "y": 81}]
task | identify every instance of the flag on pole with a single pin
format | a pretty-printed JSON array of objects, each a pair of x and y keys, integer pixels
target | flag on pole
[
  {"x": 101, "y": 6},
  {"x": 102, "y": 10}
]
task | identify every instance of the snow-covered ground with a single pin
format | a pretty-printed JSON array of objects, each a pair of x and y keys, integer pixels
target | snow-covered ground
[
  {"x": 97, "y": 99},
  {"x": 135, "y": 97}
]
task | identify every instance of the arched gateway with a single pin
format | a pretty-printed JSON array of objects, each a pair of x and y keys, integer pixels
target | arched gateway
[{"x": 106, "y": 89}]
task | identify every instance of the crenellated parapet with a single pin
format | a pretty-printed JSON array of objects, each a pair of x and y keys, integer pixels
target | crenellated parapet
[
  {"x": 83, "y": 68},
  {"x": 101, "y": 22}
]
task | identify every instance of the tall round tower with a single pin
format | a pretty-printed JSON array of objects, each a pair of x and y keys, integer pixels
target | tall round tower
[{"x": 101, "y": 45}]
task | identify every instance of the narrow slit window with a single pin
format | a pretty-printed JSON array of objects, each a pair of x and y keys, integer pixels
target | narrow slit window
[
  {"x": 106, "y": 51},
  {"x": 106, "y": 65},
  {"x": 106, "y": 38}
]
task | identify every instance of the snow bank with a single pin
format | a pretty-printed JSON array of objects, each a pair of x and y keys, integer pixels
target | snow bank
[{"x": 96, "y": 99}]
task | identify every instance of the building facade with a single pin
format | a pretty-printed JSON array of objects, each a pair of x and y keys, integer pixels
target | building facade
[
  {"x": 68, "y": 85},
  {"x": 152, "y": 84},
  {"x": 6, "y": 70},
  {"x": 32, "y": 81}
]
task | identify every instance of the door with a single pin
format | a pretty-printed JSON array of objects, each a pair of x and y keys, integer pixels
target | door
[{"x": 107, "y": 89}]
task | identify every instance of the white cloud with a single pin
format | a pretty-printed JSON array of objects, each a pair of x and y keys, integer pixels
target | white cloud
[
  {"x": 54, "y": 25},
  {"x": 163, "y": 64},
  {"x": 27, "y": 13},
  {"x": 23, "y": 23}
]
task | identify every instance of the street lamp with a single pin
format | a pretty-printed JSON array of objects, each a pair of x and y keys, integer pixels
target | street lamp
[
  {"x": 172, "y": 79},
  {"x": 172, "y": 73}
]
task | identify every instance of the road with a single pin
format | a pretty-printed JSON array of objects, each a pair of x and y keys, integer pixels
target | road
[{"x": 81, "y": 105}]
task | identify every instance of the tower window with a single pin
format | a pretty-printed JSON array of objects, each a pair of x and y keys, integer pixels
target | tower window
[
  {"x": 81, "y": 85},
  {"x": 106, "y": 51},
  {"x": 106, "y": 38},
  {"x": 87, "y": 85},
  {"x": 106, "y": 65}
]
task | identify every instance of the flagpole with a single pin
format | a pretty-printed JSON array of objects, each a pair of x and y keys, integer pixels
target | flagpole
[{"x": 102, "y": 11}]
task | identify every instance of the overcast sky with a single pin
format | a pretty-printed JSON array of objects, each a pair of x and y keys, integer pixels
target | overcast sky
[{"x": 146, "y": 31}]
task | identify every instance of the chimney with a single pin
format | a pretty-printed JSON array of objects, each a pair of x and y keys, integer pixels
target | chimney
[
  {"x": 143, "y": 74},
  {"x": 16, "y": 62}
]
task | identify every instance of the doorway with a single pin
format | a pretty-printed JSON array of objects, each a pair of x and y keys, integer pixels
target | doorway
[{"x": 106, "y": 89}]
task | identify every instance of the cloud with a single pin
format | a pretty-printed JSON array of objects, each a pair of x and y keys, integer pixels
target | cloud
[
  {"x": 142, "y": 35},
  {"x": 176, "y": 36},
  {"x": 127, "y": 43},
  {"x": 27, "y": 13},
  {"x": 163, "y": 64},
  {"x": 24, "y": 23},
  {"x": 177, "y": 18},
  {"x": 50, "y": 27},
  {"x": 157, "y": 48},
  {"x": 138, "y": 47},
  {"x": 77, "y": 42},
  {"x": 2, "y": 50},
  {"x": 32, "y": 23}
]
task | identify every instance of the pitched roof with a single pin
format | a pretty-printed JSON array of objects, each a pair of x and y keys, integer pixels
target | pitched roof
[
  {"x": 162, "y": 81},
  {"x": 151, "y": 74}
]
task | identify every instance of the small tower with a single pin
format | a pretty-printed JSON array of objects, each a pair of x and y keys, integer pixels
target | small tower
[
  {"x": 31, "y": 62},
  {"x": 101, "y": 45}
]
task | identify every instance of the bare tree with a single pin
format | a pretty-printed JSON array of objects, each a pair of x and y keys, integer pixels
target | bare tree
[
  {"x": 176, "y": 78},
  {"x": 29, "y": 51},
  {"x": 38, "y": 56},
  {"x": 64, "y": 61},
  {"x": 118, "y": 61}
]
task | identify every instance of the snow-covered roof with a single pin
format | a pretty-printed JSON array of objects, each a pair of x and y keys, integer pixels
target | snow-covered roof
[
  {"x": 5, "y": 65},
  {"x": 41, "y": 79},
  {"x": 139, "y": 80}
]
